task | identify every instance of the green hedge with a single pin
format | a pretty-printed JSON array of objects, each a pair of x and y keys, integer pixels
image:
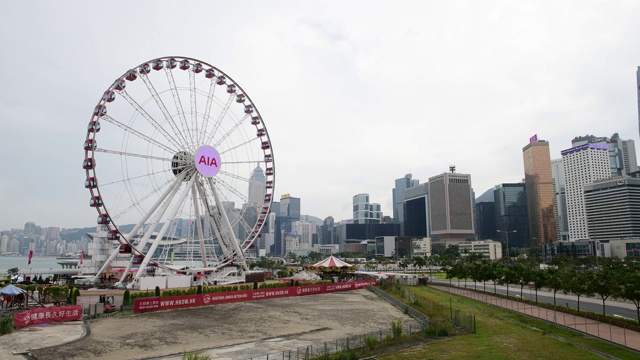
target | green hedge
[{"x": 6, "y": 325}]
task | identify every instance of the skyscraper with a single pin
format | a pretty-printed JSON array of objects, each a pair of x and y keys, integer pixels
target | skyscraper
[
  {"x": 612, "y": 208},
  {"x": 622, "y": 153},
  {"x": 451, "y": 207},
  {"x": 290, "y": 207},
  {"x": 512, "y": 215},
  {"x": 540, "y": 194},
  {"x": 416, "y": 211},
  {"x": 398, "y": 198},
  {"x": 365, "y": 212},
  {"x": 638, "y": 90},
  {"x": 560, "y": 199},
  {"x": 583, "y": 165},
  {"x": 257, "y": 182}
]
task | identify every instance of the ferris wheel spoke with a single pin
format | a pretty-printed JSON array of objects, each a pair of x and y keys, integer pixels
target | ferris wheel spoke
[
  {"x": 163, "y": 108},
  {"x": 233, "y": 190},
  {"x": 233, "y": 176},
  {"x": 154, "y": 191},
  {"x": 225, "y": 222},
  {"x": 196, "y": 208},
  {"x": 214, "y": 221},
  {"x": 149, "y": 118},
  {"x": 127, "y": 154},
  {"x": 194, "y": 107},
  {"x": 163, "y": 230},
  {"x": 178, "y": 102},
  {"x": 240, "y": 145},
  {"x": 134, "y": 178},
  {"x": 235, "y": 126},
  {"x": 221, "y": 117},
  {"x": 207, "y": 108},
  {"x": 138, "y": 134},
  {"x": 241, "y": 162}
]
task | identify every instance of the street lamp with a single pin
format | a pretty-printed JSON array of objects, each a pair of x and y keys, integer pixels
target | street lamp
[{"x": 507, "y": 236}]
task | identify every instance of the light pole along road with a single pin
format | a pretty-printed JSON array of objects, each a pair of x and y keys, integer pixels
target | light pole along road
[{"x": 507, "y": 241}]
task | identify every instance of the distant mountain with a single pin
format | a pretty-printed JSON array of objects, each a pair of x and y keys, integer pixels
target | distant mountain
[
  {"x": 310, "y": 218},
  {"x": 77, "y": 234},
  {"x": 487, "y": 196}
]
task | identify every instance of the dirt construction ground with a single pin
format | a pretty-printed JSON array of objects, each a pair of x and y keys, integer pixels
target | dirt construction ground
[{"x": 313, "y": 318}]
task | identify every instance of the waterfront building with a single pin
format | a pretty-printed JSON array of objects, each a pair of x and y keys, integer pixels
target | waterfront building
[
  {"x": 451, "y": 207},
  {"x": 489, "y": 249},
  {"x": 583, "y": 165},
  {"x": 540, "y": 194}
]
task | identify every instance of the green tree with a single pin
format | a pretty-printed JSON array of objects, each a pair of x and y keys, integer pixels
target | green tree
[
  {"x": 630, "y": 289},
  {"x": 579, "y": 282},
  {"x": 554, "y": 280},
  {"x": 419, "y": 262},
  {"x": 539, "y": 279},
  {"x": 606, "y": 284},
  {"x": 157, "y": 291}
]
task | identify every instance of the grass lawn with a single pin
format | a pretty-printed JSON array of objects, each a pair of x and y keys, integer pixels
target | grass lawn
[{"x": 497, "y": 338}]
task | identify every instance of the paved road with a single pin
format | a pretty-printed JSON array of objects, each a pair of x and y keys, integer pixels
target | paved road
[{"x": 592, "y": 304}]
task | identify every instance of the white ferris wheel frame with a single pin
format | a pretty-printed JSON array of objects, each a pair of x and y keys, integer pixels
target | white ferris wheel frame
[{"x": 181, "y": 137}]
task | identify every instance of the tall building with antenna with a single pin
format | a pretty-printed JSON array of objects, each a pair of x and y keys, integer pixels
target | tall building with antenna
[{"x": 257, "y": 182}]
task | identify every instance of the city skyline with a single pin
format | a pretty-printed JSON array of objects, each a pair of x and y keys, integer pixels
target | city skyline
[{"x": 351, "y": 103}]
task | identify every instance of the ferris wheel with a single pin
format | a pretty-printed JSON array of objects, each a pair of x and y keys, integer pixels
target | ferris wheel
[{"x": 174, "y": 158}]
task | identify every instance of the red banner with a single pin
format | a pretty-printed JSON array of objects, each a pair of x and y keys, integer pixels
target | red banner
[
  {"x": 177, "y": 302},
  {"x": 30, "y": 257},
  {"x": 47, "y": 315}
]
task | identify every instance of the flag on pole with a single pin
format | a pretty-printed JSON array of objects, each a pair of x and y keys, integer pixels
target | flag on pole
[
  {"x": 30, "y": 256},
  {"x": 534, "y": 138},
  {"x": 81, "y": 257}
]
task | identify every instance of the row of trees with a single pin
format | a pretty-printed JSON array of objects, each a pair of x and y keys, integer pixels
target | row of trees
[{"x": 609, "y": 278}]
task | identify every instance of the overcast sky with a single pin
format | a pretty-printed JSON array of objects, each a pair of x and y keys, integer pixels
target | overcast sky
[{"x": 354, "y": 94}]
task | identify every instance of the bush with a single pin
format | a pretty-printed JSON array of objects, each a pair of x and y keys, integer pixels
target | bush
[
  {"x": 195, "y": 356},
  {"x": 76, "y": 293},
  {"x": 126, "y": 298},
  {"x": 157, "y": 292},
  {"x": 396, "y": 328},
  {"x": 371, "y": 341},
  {"x": 255, "y": 285},
  {"x": 6, "y": 325},
  {"x": 199, "y": 291}
]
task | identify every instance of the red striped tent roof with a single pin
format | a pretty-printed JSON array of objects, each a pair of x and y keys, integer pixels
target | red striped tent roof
[{"x": 332, "y": 262}]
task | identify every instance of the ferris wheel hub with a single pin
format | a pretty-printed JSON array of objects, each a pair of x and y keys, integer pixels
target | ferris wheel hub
[{"x": 182, "y": 161}]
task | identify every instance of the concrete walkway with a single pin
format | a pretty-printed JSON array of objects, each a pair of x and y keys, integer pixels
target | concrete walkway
[
  {"x": 17, "y": 344},
  {"x": 600, "y": 329}
]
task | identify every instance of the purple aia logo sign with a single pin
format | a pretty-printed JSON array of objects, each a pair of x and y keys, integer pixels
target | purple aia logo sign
[{"x": 207, "y": 161}]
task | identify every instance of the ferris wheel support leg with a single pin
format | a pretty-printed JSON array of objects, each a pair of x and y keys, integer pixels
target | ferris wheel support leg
[
  {"x": 196, "y": 208},
  {"x": 163, "y": 230},
  {"x": 227, "y": 225},
  {"x": 212, "y": 221},
  {"x": 166, "y": 198},
  {"x": 164, "y": 195}
]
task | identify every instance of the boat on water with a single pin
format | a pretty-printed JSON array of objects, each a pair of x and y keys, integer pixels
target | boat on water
[{"x": 71, "y": 259}]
